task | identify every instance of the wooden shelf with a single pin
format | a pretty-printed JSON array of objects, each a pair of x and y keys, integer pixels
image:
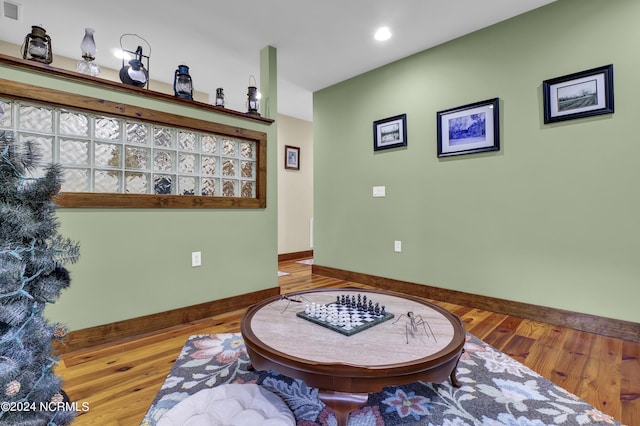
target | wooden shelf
[
  {"x": 28, "y": 92},
  {"x": 38, "y": 67}
]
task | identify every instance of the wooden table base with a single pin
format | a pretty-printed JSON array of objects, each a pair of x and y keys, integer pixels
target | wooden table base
[{"x": 343, "y": 403}]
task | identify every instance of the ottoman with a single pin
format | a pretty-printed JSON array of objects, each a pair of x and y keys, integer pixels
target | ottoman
[{"x": 230, "y": 405}]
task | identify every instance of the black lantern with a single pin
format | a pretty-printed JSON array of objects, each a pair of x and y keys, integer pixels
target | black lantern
[
  {"x": 253, "y": 98},
  {"x": 182, "y": 83},
  {"x": 219, "y": 97},
  {"x": 37, "y": 46},
  {"x": 135, "y": 72}
]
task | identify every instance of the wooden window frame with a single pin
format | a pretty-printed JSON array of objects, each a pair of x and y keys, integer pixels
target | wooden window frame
[{"x": 22, "y": 91}]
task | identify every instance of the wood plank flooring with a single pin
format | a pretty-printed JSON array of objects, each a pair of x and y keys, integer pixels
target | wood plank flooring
[{"x": 120, "y": 380}]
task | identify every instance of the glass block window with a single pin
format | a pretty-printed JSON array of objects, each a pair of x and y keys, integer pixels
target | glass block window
[{"x": 108, "y": 154}]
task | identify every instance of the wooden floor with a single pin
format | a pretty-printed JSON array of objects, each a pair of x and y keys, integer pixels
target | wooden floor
[{"x": 119, "y": 381}]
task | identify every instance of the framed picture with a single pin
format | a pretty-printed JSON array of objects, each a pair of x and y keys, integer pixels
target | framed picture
[
  {"x": 390, "y": 132},
  {"x": 291, "y": 157},
  {"x": 578, "y": 95},
  {"x": 469, "y": 129}
]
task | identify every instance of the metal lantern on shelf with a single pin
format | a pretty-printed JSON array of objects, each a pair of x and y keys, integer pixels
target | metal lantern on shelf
[
  {"x": 182, "y": 83},
  {"x": 135, "y": 73},
  {"x": 37, "y": 46},
  {"x": 88, "y": 47},
  {"x": 219, "y": 97},
  {"x": 253, "y": 98}
]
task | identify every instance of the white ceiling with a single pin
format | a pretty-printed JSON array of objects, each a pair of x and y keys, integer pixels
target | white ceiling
[{"x": 319, "y": 43}]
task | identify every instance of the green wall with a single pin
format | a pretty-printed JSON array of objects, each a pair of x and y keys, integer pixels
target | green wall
[
  {"x": 550, "y": 219},
  {"x": 135, "y": 262}
]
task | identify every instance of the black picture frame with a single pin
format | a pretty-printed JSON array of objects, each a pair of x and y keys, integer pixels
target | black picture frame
[
  {"x": 291, "y": 157},
  {"x": 578, "y": 95},
  {"x": 469, "y": 129},
  {"x": 390, "y": 132}
]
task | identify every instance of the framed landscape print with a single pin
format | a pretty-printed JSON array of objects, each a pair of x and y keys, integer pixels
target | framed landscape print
[
  {"x": 578, "y": 95},
  {"x": 469, "y": 128},
  {"x": 291, "y": 157},
  {"x": 390, "y": 132}
]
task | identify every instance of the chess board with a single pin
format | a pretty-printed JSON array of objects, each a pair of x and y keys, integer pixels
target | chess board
[{"x": 360, "y": 318}]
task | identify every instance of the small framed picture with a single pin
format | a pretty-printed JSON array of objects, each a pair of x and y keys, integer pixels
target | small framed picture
[
  {"x": 469, "y": 128},
  {"x": 578, "y": 95},
  {"x": 291, "y": 157},
  {"x": 390, "y": 132}
]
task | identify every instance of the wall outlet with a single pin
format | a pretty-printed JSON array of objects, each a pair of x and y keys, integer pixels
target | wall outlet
[
  {"x": 397, "y": 246},
  {"x": 196, "y": 259}
]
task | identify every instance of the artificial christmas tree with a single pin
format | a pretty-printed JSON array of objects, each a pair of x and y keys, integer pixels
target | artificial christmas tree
[{"x": 32, "y": 255}]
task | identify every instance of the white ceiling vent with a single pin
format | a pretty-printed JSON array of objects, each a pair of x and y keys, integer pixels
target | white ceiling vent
[{"x": 11, "y": 10}]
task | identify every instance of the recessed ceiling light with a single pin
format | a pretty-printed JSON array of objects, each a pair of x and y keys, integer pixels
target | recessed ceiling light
[{"x": 382, "y": 34}]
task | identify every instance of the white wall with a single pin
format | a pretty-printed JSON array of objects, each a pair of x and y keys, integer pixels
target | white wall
[{"x": 295, "y": 187}]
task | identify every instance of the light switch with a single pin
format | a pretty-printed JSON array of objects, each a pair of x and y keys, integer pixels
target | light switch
[{"x": 379, "y": 191}]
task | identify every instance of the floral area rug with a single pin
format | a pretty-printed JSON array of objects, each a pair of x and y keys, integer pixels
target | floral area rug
[{"x": 496, "y": 390}]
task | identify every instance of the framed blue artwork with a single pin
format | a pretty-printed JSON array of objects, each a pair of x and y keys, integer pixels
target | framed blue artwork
[{"x": 469, "y": 128}]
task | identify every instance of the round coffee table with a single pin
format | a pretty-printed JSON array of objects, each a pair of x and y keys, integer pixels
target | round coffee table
[{"x": 346, "y": 369}]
